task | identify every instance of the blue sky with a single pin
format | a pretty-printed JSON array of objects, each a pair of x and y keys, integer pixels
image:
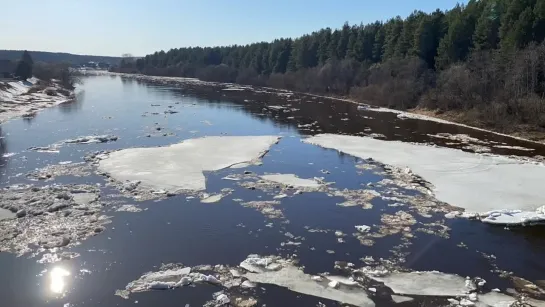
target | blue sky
[{"x": 113, "y": 27}]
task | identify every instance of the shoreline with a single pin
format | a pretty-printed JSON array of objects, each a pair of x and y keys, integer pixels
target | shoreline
[
  {"x": 26, "y": 98},
  {"x": 534, "y": 137}
]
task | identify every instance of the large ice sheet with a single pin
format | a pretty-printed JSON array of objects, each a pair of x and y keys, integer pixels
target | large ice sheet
[
  {"x": 478, "y": 183},
  {"x": 180, "y": 166}
]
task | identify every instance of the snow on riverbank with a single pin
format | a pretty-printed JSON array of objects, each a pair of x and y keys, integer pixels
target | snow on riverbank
[
  {"x": 477, "y": 183},
  {"x": 16, "y": 99},
  {"x": 180, "y": 167}
]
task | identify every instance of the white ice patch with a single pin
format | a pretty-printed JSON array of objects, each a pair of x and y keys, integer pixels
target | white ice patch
[
  {"x": 208, "y": 199},
  {"x": 424, "y": 283},
  {"x": 284, "y": 274},
  {"x": 514, "y": 217},
  {"x": 6, "y": 214},
  {"x": 180, "y": 167},
  {"x": 494, "y": 299},
  {"x": 292, "y": 180},
  {"x": 460, "y": 178}
]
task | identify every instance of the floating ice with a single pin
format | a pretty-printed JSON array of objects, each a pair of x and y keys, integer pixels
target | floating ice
[
  {"x": 424, "y": 283},
  {"x": 211, "y": 198},
  {"x": 271, "y": 270},
  {"x": 292, "y": 180},
  {"x": 363, "y": 228},
  {"x": 514, "y": 217},
  {"x": 92, "y": 139},
  {"x": 462, "y": 179},
  {"x": 180, "y": 167}
]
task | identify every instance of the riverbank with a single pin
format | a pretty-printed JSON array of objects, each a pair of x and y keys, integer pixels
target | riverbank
[
  {"x": 26, "y": 98},
  {"x": 519, "y": 132}
]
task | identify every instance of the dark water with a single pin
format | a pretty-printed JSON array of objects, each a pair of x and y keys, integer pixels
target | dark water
[{"x": 189, "y": 232}]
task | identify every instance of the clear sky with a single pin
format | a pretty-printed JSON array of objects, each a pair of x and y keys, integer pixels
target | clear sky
[{"x": 113, "y": 27}]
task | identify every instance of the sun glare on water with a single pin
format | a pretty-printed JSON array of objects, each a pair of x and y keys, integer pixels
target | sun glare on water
[{"x": 57, "y": 280}]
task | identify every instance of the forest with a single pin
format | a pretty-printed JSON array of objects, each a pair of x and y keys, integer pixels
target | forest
[
  {"x": 481, "y": 63},
  {"x": 58, "y": 57}
]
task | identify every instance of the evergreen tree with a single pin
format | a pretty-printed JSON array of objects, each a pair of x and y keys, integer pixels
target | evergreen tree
[
  {"x": 379, "y": 44},
  {"x": 517, "y": 18},
  {"x": 456, "y": 44},
  {"x": 323, "y": 47},
  {"x": 393, "y": 30},
  {"x": 427, "y": 36},
  {"x": 24, "y": 66},
  {"x": 354, "y": 48},
  {"x": 486, "y": 34},
  {"x": 539, "y": 21},
  {"x": 342, "y": 44},
  {"x": 335, "y": 37}
]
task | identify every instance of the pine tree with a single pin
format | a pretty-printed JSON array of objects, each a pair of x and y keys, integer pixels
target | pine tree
[
  {"x": 513, "y": 23},
  {"x": 393, "y": 30},
  {"x": 427, "y": 36},
  {"x": 406, "y": 37},
  {"x": 24, "y": 66},
  {"x": 539, "y": 21},
  {"x": 343, "y": 41},
  {"x": 379, "y": 44},
  {"x": 456, "y": 44},
  {"x": 323, "y": 47},
  {"x": 335, "y": 37},
  {"x": 486, "y": 34}
]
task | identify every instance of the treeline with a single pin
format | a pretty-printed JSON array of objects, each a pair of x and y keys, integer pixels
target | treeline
[
  {"x": 58, "y": 57},
  {"x": 485, "y": 58}
]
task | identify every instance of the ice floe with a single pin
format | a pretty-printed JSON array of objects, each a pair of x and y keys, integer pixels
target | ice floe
[
  {"x": 49, "y": 217},
  {"x": 424, "y": 283},
  {"x": 293, "y": 180},
  {"x": 462, "y": 179},
  {"x": 283, "y": 273},
  {"x": 253, "y": 270},
  {"x": 179, "y": 167}
]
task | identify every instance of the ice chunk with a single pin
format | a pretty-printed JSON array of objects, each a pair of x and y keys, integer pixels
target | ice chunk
[
  {"x": 424, "y": 283},
  {"x": 223, "y": 299},
  {"x": 459, "y": 178},
  {"x": 401, "y": 299},
  {"x": 212, "y": 199},
  {"x": 180, "y": 167},
  {"x": 363, "y": 228},
  {"x": 247, "y": 284},
  {"x": 495, "y": 299},
  {"x": 92, "y": 139},
  {"x": 292, "y": 180},
  {"x": 514, "y": 217},
  {"x": 6, "y": 214},
  {"x": 348, "y": 281},
  {"x": 294, "y": 279},
  {"x": 161, "y": 285}
]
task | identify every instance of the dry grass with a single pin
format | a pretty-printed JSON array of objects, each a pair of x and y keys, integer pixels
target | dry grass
[{"x": 473, "y": 118}]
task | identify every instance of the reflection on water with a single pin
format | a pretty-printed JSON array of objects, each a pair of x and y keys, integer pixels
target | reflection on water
[
  {"x": 74, "y": 105},
  {"x": 57, "y": 282}
]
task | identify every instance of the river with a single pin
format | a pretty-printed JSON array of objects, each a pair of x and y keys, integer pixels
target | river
[{"x": 182, "y": 229}]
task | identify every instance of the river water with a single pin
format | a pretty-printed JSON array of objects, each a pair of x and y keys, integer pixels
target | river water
[{"x": 182, "y": 230}]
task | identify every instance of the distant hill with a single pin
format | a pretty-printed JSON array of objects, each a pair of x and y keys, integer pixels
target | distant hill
[{"x": 58, "y": 57}]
